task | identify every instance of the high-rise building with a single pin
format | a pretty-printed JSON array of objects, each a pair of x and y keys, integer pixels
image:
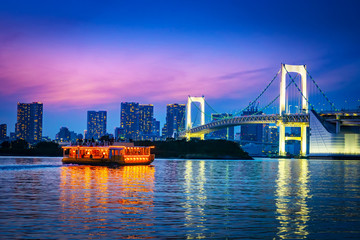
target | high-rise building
[
  {"x": 12, "y": 136},
  {"x": 156, "y": 128},
  {"x": 63, "y": 135},
  {"x": 130, "y": 120},
  {"x": 119, "y": 134},
  {"x": 3, "y": 131},
  {"x": 146, "y": 113},
  {"x": 175, "y": 120},
  {"x": 252, "y": 132},
  {"x": 226, "y": 133},
  {"x": 85, "y": 134},
  {"x": 96, "y": 124},
  {"x": 29, "y": 121}
]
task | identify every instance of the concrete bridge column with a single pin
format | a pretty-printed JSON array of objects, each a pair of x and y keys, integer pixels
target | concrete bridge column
[
  {"x": 282, "y": 151},
  {"x": 303, "y": 150}
]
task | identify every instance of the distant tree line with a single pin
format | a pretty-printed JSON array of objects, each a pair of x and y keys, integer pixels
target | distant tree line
[
  {"x": 196, "y": 149},
  {"x": 22, "y": 148}
]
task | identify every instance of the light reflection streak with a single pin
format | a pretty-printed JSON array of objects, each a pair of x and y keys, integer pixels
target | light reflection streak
[
  {"x": 102, "y": 198},
  {"x": 194, "y": 206},
  {"x": 292, "y": 193}
]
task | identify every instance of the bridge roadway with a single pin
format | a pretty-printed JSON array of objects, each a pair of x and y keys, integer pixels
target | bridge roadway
[{"x": 289, "y": 119}]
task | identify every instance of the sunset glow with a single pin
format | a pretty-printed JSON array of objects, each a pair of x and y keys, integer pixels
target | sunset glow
[{"x": 76, "y": 59}]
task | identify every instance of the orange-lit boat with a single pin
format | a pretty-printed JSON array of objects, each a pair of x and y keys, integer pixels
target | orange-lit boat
[{"x": 124, "y": 154}]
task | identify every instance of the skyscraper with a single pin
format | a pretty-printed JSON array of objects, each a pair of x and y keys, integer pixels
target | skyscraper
[
  {"x": 119, "y": 134},
  {"x": 252, "y": 132},
  {"x": 3, "y": 131},
  {"x": 96, "y": 124},
  {"x": 63, "y": 135},
  {"x": 175, "y": 120},
  {"x": 29, "y": 121},
  {"x": 146, "y": 113},
  {"x": 130, "y": 119},
  {"x": 226, "y": 133},
  {"x": 156, "y": 128}
]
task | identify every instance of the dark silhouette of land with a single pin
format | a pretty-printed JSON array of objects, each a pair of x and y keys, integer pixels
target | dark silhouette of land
[
  {"x": 21, "y": 148},
  {"x": 194, "y": 149}
]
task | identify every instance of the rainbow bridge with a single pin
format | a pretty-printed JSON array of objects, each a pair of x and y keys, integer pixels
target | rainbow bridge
[{"x": 322, "y": 133}]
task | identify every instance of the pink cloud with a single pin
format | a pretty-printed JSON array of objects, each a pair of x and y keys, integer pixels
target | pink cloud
[{"x": 71, "y": 77}]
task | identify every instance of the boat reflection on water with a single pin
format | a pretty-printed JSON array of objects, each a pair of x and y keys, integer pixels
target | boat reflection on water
[
  {"x": 292, "y": 194},
  {"x": 102, "y": 198}
]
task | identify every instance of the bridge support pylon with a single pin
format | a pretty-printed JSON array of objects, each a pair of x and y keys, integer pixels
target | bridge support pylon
[
  {"x": 200, "y": 100},
  {"x": 300, "y": 69},
  {"x": 303, "y": 149}
]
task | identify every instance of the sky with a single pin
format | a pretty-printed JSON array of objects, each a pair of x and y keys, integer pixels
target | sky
[{"x": 76, "y": 56}]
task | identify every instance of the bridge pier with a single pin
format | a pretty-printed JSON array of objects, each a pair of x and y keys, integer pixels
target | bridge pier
[
  {"x": 196, "y": 135},
  {"x": 303, "y": 149},
  {"x": 282, "y": 151},
  {"x": 283, "y": 138}
]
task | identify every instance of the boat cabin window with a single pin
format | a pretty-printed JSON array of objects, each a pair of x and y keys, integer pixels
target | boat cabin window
[{"x": 66, "y": 152}]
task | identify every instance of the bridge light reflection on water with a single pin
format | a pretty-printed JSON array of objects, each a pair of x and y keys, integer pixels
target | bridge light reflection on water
[
  {"x": 194, "y": 205},
  {"x": 292, "y": 193},
  {"x": 212, "y": 199}
]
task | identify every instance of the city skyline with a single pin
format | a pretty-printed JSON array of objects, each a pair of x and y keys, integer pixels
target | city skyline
[{"x": 93, "y": 57}]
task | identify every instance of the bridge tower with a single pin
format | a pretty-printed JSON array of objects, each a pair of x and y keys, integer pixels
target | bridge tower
[
  {"x": 300, "y": 69},
  {"x": 200, "y": 100}
]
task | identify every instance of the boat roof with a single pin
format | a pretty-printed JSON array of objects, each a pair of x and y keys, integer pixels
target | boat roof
[{"x": 106, "y": 147}]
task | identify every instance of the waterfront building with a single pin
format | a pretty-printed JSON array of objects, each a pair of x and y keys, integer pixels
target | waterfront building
[
  {"x": 156, "y": 128},
  {"x": 146, "y": 114},
  {"x": 29, "y": 122},
  {"x": 96, "y": 124},
  {"x": 46, "y": 139},
  {"x": 226, "y": 133},
  {"x": 237, "y": 136},
  {"x": 333, "y": 138},
  {"x": 137, "y": 120},
  {"x": 252, "y": 132},
  {"x": 130, "y": 120},
  {"x": 175, "y": 120},
  {"x": 3, "y": 131},
  {"x": 273, "y": 135},
  {"x": 164, "y": 132},
  {"x": 119, "y": 134},
  {"x": 12, "y": 136},
  {"x": 63, "y": 135},
  {"x": 73, "y": 136}
]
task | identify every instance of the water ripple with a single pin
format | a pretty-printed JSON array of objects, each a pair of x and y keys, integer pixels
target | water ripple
[{"x": 192, "y": 199}]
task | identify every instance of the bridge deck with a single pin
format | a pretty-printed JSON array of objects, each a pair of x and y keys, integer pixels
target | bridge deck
[{"x": 251, "y": 119}]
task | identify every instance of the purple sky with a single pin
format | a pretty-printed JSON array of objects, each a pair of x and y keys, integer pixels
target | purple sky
[{"x": 95, "y": 55}]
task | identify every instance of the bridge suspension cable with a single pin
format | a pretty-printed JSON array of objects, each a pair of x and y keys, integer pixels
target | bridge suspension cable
[
  {"x": 262, "y": 109},
  {"x": 210, "y": 107},
  {"x": 262, "y": 93},
  {"x": 317, "y": 86},
  {"x": 250, "y": 104}
]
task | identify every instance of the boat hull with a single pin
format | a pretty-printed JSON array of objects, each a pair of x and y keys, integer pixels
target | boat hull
[{"x": 122, "y": 161}]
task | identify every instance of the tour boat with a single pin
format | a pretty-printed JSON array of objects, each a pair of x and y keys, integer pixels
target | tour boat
[{"x": 119, "y": 154}]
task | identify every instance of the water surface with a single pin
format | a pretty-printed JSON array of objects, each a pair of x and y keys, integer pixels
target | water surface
[{"x": 186, "y": 199}]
